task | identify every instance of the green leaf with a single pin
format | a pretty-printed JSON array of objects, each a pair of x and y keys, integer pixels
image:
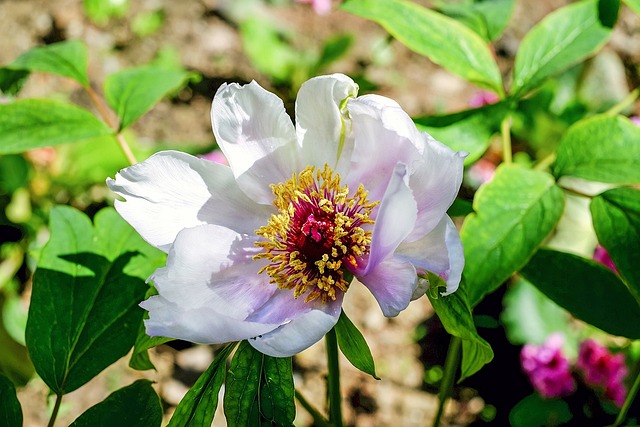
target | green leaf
[
  {"x": 488, "y": 18},
  {"x": 84, "y": 312},
  {"x": 11, "y": 81},
  {"x": 259, "y": 389},
  {"x": 198, "y": 406},
  {"x": 601, "y": 148},
  {"x": 34, "y": 123},
  {"x": 536, "y": 411},
  {"x": 333, "y": 49},
  {"x": 140, "y": 357},
  {"x": 616, "y": 219},
  {"x": 132, "y": 92},
  {"x": 67, "y": 58},
  {"x": 634, "y": 5},
  {"x": 562, "y": 39},
  {"x": 469, "y": 130},
  {"x": 131, "y": 406},
  {"x": 514, "y": 213},
  {"x": 354, "y": 347},
  {"x": 443, "y": 40},
  {"x": 589, "y": 291},
  {"x": 10, "y": 409},
  {"x": 455, "y": 314}
]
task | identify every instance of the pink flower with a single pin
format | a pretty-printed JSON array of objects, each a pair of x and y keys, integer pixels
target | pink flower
[
  {"x": 547, "y": 368},
  {"x": 602, "y": 256},
  {"x": 482, "y": 98},
  {"x": 215, "y": 156},
  {"x": 635, "y": 120},
  {"x": 264, "y": 249},
  {"x": 321, "y": 7},
  {"x": 602, "y": 369}
]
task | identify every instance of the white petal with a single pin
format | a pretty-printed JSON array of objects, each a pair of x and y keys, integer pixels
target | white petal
[
  {"x": 299, "y": 334},
  {"x": 171, "y": 191},
  {"x": 395, "y": 218},
  {"x": 439, "y": 251},
  {"x": 392, "y": 282},
  {"x": 319, "y": 122}
]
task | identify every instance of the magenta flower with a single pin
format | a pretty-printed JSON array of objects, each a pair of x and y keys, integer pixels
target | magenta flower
[
  {"x": 264, "y": 249},
  {"x": 215, "y": 156},
  {"x": 482, "y": 98},
  {"x": 601, "y": 255},
  {"x": 602, "y": 369},
  {"x": 547, "y": 368},
  {"x": 321, "y": 7}
]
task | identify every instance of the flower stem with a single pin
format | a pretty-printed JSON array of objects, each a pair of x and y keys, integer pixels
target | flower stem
[
  {"x": 318, "y": 419},
  {"x": 622, "y": 415},
  {"x": 505, "y": 130},
  {"x": 333, "y": 380},
  {"x": 56, "y": 408},
  {"x": 626, "y": 102},
  {"x": 450, "y": 370}
]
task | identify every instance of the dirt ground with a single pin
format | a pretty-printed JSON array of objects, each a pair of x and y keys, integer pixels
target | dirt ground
[{"x": 210, "y": 44}]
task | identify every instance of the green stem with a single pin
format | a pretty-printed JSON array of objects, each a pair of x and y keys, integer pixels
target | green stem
[
  {"x": 545, "y": 162},
  {"x": 622, "y": 415},
  {"x": 505, "y": 130},
  {"x": 450, "y": 370},
  {"x": 56, "y": 408},
  {"x": 333, "y": 380},
  {"x": 620, "y": 106},
  {"x": 318, "y": 419}
]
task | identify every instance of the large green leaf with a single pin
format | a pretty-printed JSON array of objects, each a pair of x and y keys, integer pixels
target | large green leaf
[
  {"x": 133, "y": 91},
  {"x": 589, "y": 291},
  {"x": 601, "y": 148},
  {"x": 354, "y": 346},
  {"x": 515, "y": 212},
  {"x": 634, "y": 5},
  {"x": 488, "y": 18},
  {"x": 259, "y": 389},
  {"x": 616, "y": 219},
  {"x": 33, "y": 123},
  {"x": 67, "y": 58},
  {"x": 562, "y": 39},
  {"x": 84, "y": 312},
  {"x": 536, "y": 411},
  {"x": 443, "y": 40},
  {"x": 198, "y": 406},
  {"x": 136, "y": 405},
  {"x": 10, "y": 409}
]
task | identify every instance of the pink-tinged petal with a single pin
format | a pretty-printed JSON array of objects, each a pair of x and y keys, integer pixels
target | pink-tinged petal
[
  {"x": 439, "y": 251},
  {"x": 299, "y": 334},
  {"x": 171, "y": 191},
  {"x": 250, "y": 123},
  {"x": 392, "y": 282},
  {"x": 320, "y": 124},
  {"x": 395, "y": 218}
]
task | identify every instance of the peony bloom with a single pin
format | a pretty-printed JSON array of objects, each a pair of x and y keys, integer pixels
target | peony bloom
[
  {"x": 264, "y": 249},
  {"x": 603, "y": 369},
  {"x": 547, "y": 368}
]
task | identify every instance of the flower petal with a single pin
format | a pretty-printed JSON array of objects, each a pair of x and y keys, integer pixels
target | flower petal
[
  {"x": 300, "y": 333},
  {"x": 171, "y": 191},
  {"x": 319, "y": 121},
  {"x": 439, "y": 251},
  {"x": 392, "y": 283}
]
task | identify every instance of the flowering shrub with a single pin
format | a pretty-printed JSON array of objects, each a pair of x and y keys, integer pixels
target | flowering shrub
[{"x": 547, "y": 368}]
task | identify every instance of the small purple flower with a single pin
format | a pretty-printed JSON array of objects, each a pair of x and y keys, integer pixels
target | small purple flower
[
  {"x": 601, "y": 368},
  {"x": 482, "y": 98},
  {"x": 264, "y": 249},
  {"x": 547, "y": 368},
  {"x": 602, "y": 256}
]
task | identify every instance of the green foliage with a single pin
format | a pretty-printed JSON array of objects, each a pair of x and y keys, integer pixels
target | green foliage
[
  {"x": 198, "y": 406},
  {"x": 136, "y": 405},
  {"x": 101, "y": 11},
  {"x": 259, "y": 389},
  {"x": 514, "y": 213},
  {"x": 148, "y": 23},
  {"x": 443, "y": 40},
  {"x": 488, "y": 18},
  {"x": 577, "y": 284},
  {"x": 634, "y": 5},
  {"x": 10, "y": 409},
  {"x": 535, "y": 411},
  {"x": 354, "y": 346},
  {"x": 34, "y": 123},
  {"x": 140, "y": 357}
]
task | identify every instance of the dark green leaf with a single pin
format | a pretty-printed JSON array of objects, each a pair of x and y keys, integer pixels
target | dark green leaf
[
  {"x": 259, "y": 389},
  {"x": 562, "y": 39},
  {"x": 132, "y": 92},
  {"x": 198, "y": 406},
  {"x": 11, "y": 81},
  {"x": 333, "y": 49},
  {"x": 84, "y": 312},
  {"x": 601, "y": 148},
  {"x": 616, "y": 219},
  {"x": 14, "y": 173},
  {"x": 140, "y": 358},
  {"x": 535, "y": 411},
  {"x": 443, "y": 40},
  {"x": 354, "y": 347},
  {"x": 589, "y": 291},
  {"x": 131, "y": 406},
  {"x": 10, "y": 409},
  {"x": 34, "y": 123},
  {"x": 488, "y": 18},
  {"x": 67, "y": 58},
  {"x": 460, "y": 207},
  {"x": 455, "y": 314},
  {"x": 514, "y": 213}
]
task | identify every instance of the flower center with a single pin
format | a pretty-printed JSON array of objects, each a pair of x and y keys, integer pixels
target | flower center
[{"x": 319, "y": 232}]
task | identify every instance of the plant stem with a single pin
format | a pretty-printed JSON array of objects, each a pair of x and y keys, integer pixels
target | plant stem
[
  {"x": 56, "y": 408},
  {"x": 450, "y": 370},
  {"x": 545, "y": 162},
  {"x": 333, "y": 380},
  {"x": 622, "y": 415},
  {"x": 318, "y": 419},
  {"x": 505, "y": 130},
  {"x": 628, "y": 100}
]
